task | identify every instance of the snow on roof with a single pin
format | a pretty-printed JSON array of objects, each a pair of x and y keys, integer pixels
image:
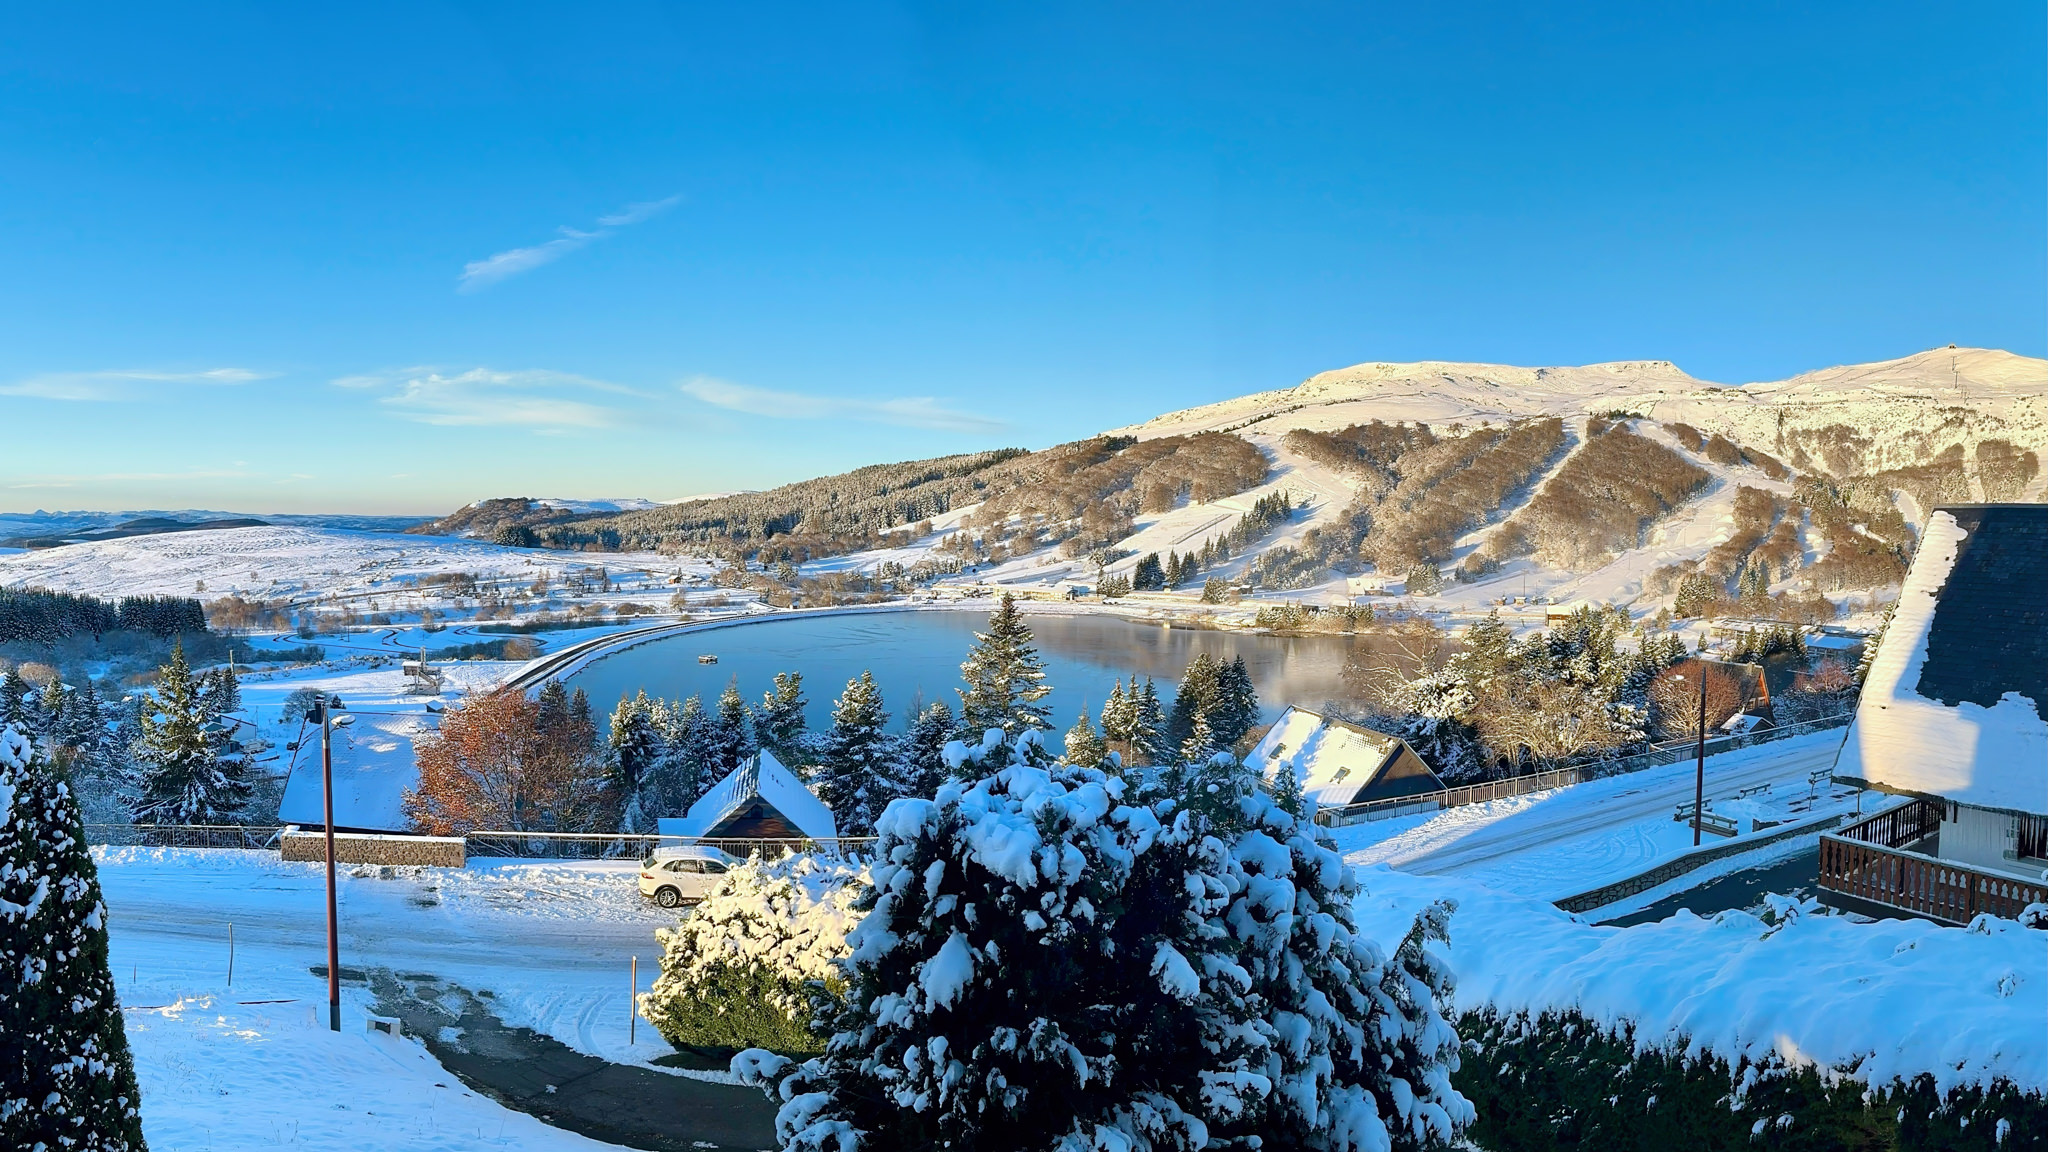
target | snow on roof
[
  {"x": 1956, "y": 702},
  {"x": 1336, "y": 761},
  {"x": 765, "y": 777}
]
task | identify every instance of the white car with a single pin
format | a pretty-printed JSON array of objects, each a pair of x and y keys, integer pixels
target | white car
[{"x": 675, "y": 876}]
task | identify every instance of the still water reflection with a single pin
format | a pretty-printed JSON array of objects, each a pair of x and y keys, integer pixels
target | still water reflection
[{"x": 916, "y": 655}]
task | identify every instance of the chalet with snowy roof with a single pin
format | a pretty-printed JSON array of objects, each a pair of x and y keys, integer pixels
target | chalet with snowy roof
[
  {"x": 761, "y": 800},
  {"x": 1954, "y": 714},
  {"x": 1340, "y": 763}
]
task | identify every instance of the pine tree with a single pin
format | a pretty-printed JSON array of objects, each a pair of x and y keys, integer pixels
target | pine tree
[
  {"x": 1237, "y": 704},
  {"x": 14, "y": 707},
  {"x": 1200, "y": 744},
  {"x": 857, "y": 760},
  {"x": 634, "y": 742},
  {"x": 730, "y": 740},
  {"x": 1149, "y": 575},
  {"x": 83, "y": 738},
  {"x": 1148, "y": 732},
  {"x": 780, "y": 721},
  {"x": 1119, "y": 715},
  {"x": 69, "y": 1081},
  {"x": 683, "y": 772},
  {"x": 922, "y": 750},
  {"x": 222, "y": 694},
  {"x": 1085, "y": 747},
  {"x": 1200, "y": 692},
  {"x": 184, "y": 779},
  {"x": 1005, "y": 677}
]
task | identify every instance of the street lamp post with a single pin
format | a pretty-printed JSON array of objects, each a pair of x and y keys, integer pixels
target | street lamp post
[{"x": 328, "y": 722}]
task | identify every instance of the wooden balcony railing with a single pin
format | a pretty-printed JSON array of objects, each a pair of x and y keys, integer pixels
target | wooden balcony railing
[
  {"x": 1939, "y": 889},
  {"x": 1896, "y": 827}
]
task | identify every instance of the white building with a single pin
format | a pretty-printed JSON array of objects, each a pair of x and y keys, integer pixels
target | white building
[{"x": 1955, "y": 713}]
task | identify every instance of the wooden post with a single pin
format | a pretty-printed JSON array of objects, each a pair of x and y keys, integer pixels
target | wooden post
[
  {"x": 231, "y": 953},
  {"x": 633, "y": 1006}
]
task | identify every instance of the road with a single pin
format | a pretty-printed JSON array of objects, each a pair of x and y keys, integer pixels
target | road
[{"x": 1568, "y": 840}]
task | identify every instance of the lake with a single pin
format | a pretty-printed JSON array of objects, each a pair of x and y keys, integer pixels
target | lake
[{"x": 916, "y": 655}]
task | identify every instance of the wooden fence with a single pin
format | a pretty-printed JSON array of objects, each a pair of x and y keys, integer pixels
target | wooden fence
[
  {"x": 1337, "y": 816},
  {"x": 1864, "y": 861}
]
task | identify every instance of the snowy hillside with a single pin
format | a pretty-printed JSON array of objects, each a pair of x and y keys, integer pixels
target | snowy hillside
[
  {"x": 1890, "y": 402},
  {"x": 278, "y": 562}
]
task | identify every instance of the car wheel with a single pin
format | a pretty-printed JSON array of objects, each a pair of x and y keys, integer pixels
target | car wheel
[{"x": 667, "y": 897}]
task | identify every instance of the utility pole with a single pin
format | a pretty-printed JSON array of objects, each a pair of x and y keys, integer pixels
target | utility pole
[
  {"x": 1699, "y": 783},
  {"x": 327, "y": 707}
]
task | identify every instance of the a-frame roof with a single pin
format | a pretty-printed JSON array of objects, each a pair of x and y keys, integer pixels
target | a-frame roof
[{"x": 762, "y": 776}]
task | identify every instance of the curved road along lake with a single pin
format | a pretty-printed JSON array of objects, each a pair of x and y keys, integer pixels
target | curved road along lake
[{"x": 916, "y": 655}]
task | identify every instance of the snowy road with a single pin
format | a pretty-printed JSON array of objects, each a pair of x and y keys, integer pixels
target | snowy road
[{"x": 1553, "y": 844}]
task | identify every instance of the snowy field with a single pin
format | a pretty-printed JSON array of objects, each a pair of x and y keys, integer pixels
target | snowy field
[
  {"x": 551, "y": 943},
  {"x": 1549, "y": 845},
  {"x": 279, "y": 562}
]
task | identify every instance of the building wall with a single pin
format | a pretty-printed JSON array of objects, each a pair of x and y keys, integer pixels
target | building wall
[{"x": 1977, "y": 836}]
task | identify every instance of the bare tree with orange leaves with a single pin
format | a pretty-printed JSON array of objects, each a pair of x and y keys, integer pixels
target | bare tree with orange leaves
[{"x": 500, "y": 761}]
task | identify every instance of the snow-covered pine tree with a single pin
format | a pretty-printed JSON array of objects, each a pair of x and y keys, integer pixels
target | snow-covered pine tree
[
  {"x": 633, "y": 743},
  {"x": 183, "y": 778},
  {"x": 1039, "y": 967},
  {"x": 1005, "y": 677},
  {"x": 1199, "y": 695},
  {"x": 729, "y": 741},
  {"x": 14, "y": 708},
  {"x": 857, "y": 759},
  {"x": 681, "y": 773},
  {"x": 1201, "y": 742},
  {"x": 1085, "y": 747},
  {"x": 1119, "y": 714},
  {"x": 1367, "y": 1056},
  {"x": 1237, "y": 704},
  {"x": 69, "y": 1082},
  {"x": 220, "y": 693},
  {"x": 780, "y": 721},
  {"x": 82, "y": 737},
  {"x": 922, "y": 750},
  {"x": 1148, "y": 730}
]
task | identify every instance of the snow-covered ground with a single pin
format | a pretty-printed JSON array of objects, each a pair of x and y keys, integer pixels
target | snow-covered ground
[
  {"x": 1890, "y": 998},
  {"x": 551, "y": 942},
  {"x": 1549, "y": 845},
  {"x": 302, "y": 563}
]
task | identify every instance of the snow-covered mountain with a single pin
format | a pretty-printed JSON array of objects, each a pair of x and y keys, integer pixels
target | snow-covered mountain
[{"x": 1910, "y": 409}]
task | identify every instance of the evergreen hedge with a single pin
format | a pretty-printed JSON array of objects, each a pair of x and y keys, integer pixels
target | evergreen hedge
[{"x": 1561, "y": 1082}]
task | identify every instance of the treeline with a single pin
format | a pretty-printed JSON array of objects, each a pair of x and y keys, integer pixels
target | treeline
[
  {"x": 1600, "y": 502},
  {"x": 1153, "y": 573},
  {"x": 1086, "y": 495},
  {"x": 1724, "y": 451},
  {"x": 1087, "y": 491},
  {"x": 40, "y": 615}
]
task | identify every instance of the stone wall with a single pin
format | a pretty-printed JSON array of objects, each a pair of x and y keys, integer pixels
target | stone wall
[{"x": 364, "y": 848}]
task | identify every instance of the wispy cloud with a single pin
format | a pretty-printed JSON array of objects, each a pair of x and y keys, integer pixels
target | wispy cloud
[
  {"x": 537, "y": 399},
  {"x": 908, "y": 411},
  {"x": 504, "y": 265},
  {"x": 120, "y": 384}
]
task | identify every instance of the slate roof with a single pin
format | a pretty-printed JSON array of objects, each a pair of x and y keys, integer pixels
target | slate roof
[{"x": 1956, "y": 702}]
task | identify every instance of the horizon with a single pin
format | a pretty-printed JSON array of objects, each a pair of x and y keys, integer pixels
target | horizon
[{"x": 395, "y": 263}]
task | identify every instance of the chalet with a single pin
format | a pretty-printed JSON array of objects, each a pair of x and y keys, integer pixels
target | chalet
[
  {"x": 1340, "y": 763},
  {"x": 1954, "y": 714},
  {"x": 761, "y": 800}
]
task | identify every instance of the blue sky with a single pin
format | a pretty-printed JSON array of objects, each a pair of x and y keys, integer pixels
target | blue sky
[{"x": 278, "y": 258}]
